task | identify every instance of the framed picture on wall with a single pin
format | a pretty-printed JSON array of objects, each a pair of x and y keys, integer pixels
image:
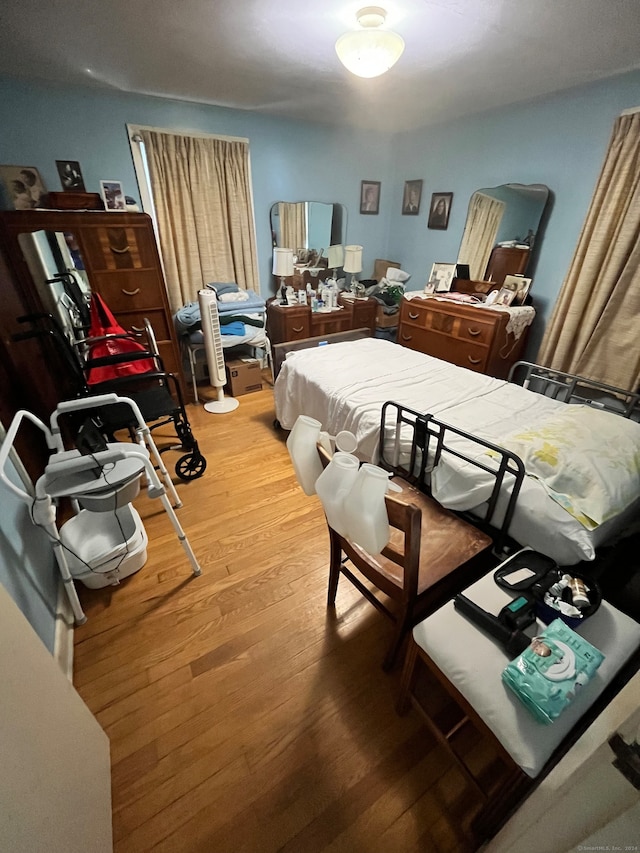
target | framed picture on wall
[
  {"x": 113, "y": 195},
  {"x": 370, "y": 197},
  {"x": 23, "y": 188},
  {"x": 411, "y": 198},
  {"x": 439, "y": 211}
]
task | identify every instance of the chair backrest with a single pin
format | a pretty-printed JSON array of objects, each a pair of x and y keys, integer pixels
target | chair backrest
[
  {"x": 413, "y": 445},
  {"x": 403, "y": 548}
]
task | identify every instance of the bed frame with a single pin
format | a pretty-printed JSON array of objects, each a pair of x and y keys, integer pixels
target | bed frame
[
  {"x": 280, "y": 351},
  {"x": 570, "y": 388},
  {"x": 431, "y": 439}
]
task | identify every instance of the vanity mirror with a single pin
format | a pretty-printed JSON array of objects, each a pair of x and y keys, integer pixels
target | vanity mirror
[
  {"x": 307, "y": 227},
  {"x": 502, "y": 232}
]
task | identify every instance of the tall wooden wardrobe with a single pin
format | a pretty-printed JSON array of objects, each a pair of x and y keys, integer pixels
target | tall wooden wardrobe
[{"x": 120, "y": 257}]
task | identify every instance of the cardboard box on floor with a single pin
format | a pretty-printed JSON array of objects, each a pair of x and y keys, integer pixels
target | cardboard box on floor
[{"x": 244, "y": 375}]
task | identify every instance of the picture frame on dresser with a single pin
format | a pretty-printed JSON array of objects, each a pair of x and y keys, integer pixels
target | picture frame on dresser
[
  {"x": 23, "y": 188},
  {"x": 442, "y": 275},
  {"x": 522, "y": 286}
]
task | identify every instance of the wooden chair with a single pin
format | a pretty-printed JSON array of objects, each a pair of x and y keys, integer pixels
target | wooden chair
[{"x": 431, "y": 555}]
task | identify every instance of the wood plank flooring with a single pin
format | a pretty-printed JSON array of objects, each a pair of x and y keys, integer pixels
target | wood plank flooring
[{"x": 245, "y": 717}]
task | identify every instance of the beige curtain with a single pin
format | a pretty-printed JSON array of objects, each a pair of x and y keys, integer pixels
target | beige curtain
[
  {"x": 293, "y": 229},
  {"x": 480, "y": 232},
  {"x": 202, "y": 197},
  {"x": 595, "y": 326}
]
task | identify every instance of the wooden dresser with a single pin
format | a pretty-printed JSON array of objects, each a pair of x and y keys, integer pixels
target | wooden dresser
[
  {"x": 121, "y": 259},
  {"x": 466, "y": 335},
  {"x": 297, "y": 322}
]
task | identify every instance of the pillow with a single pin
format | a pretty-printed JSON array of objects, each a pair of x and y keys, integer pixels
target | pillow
[{"x": 587, "y": 460}]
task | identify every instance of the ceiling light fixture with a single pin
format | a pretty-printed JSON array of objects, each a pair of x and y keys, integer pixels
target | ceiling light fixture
[{"x": 370, "y": 51}]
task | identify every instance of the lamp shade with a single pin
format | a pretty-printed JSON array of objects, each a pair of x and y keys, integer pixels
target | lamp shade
[
  {"x": 335, "y": 256},
  {"x": 352, "y": 259},
  {"x": 283, "y": 262},
  {"x": 370, "y": 51}
]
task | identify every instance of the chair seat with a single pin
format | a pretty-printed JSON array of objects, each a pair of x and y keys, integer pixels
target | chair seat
[{"x": 447, "y": 541}]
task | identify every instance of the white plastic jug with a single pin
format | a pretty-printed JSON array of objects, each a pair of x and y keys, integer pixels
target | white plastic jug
[
  {"x": 365, "y": 512},
  {"x": 334, "y": 485},
  {"x": 301, "y": 445}
]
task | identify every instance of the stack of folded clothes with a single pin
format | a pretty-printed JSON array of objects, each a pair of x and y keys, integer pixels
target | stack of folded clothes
[{"x": 241, "y": 312}]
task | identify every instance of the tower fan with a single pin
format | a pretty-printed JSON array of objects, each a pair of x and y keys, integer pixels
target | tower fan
[{"x": 207, "y": 300}]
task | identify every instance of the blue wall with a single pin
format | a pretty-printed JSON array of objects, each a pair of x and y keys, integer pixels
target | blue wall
[
  {"x": 559, "y": 141},
  {"x": 290, "y": 161}
]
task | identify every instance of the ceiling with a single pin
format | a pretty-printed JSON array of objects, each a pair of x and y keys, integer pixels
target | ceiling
[{"x": 278, "y": 58}]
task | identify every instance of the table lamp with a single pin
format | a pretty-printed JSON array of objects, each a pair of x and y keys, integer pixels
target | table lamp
[
  {"x": 335, "y": 258},
  {"x": 283, "y": 267},
  {"x": 353, "y": 264}
]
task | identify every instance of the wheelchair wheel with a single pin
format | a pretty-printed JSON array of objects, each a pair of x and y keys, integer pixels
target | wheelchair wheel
[{"x": 191, "y": 466}]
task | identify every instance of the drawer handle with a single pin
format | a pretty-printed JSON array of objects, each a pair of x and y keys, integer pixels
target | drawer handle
[
  {"x": 406, "y": 337},
  {"x": 120, "y": 251},
  {"x": 474, "y": 360},
  {"x": 297, "y": 329},
  {"x": 136, "y": 329},
  {"x": 413, "y": 316},
  {"x": 474, "y": 332},
  {"x": 130, "y": 292}
]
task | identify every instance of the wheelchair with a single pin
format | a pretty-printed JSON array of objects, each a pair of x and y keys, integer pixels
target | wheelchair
[{"x": 156, "y": 392}]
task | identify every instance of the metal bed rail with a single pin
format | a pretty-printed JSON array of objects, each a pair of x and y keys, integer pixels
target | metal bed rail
[
  {"x": 431, "y": 443},
  {"x": 570, "y": 388}
]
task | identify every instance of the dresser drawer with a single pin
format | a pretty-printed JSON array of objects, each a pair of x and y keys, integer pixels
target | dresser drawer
[
  {"x": 134, "y": 321},
  {"x": 415, "y": 315},
  {"x": 328, "y": 324},
  {"x": 471, "y": 330},
  {"x": 473, "y": 356},
  {"x": 129, "y": 290}
]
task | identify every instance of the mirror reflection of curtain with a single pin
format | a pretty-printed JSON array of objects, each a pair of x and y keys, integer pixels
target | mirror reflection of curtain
[
  {"x": 202, "y": 196},
  {"x": 293, "y": 225},
  {"x": 593, "y": 330},
  {"x": 481, "y": 228}
]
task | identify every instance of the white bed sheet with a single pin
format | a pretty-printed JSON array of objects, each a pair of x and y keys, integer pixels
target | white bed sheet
[{"x": 320, "y": 382}]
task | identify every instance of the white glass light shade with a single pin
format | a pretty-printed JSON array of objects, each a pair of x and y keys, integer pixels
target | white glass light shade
[
  {"x": 301, "y": 445},
  {"x": 352, "y": 259},
  {"x": 283, "y": 262},
  {"x": 333, "y": 487},
  {"x": 370, "y": 51},
  {"x": 365, "y": 511},
  {"x": 335, "y": 256}
]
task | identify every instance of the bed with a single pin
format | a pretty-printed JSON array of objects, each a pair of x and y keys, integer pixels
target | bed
[{"x": 345, "y": 385}]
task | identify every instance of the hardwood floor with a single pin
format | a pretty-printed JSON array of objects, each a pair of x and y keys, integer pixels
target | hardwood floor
[{"x": 245, "y": 717}]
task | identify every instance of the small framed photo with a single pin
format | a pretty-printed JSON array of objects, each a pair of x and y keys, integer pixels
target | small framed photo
[
  {"x": 430, "y": 287},
  {"x": 442, "y": 276},
  {"x": 113, "y": 195},
  {"x": 439, "y": 211},
  {"x": 411, "y": 198},
  {"x": 23, "y": 187},
  {"x": 505, "y": 296},
  {"x": 70, "y": 175},
  {"x": 521, "y": 286},
  {"x": 370, "y": 197}
]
